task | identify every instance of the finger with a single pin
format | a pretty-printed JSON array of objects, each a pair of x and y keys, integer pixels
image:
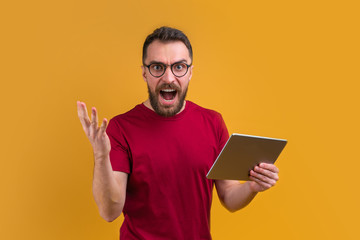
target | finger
[
  {"x": 266, "y": 173},
  {"x": 82, "y": 111},
  {"x": 83, "y": 116},
  {"x": 103, "y": 127},
  {"x": 263, "y": 178},
  {"x": 94, "y": 116},
  {"x": 270, "y": 167},
  {"x": 261, "y": 183},
  {"x": 94, "y": 122}
]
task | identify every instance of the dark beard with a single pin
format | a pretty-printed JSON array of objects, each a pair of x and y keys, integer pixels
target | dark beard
[{"x": 167, "y": 111}]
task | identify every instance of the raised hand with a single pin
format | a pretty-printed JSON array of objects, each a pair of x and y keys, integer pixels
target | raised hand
[
  {"x": 97, "y": 135},
  {"x": 263, "y": 176}
]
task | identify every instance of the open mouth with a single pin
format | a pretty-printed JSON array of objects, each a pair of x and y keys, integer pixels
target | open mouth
[{"x": 168, "y": 94}]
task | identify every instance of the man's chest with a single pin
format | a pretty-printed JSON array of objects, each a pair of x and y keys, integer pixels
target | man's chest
[{"x": 172, "y": 151}]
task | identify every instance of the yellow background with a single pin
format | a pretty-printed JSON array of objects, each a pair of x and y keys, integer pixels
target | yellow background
[{"x": 287, "y": 69}]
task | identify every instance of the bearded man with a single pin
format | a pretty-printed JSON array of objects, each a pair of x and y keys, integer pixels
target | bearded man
[{"x": 151, "y": 162}]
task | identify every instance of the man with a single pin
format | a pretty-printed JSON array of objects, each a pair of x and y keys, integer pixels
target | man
[{"x": 151, "y": 162}]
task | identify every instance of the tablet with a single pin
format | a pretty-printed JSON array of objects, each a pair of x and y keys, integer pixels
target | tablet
[{"x": 242, "y": 153}]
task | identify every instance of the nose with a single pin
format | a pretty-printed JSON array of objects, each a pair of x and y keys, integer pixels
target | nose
[{"x": 168, "y": 76}]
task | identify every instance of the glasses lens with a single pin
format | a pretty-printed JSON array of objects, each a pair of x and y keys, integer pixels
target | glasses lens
[
  {"x": 179, "y": 69},
  {"x": 156, "y": 69}
]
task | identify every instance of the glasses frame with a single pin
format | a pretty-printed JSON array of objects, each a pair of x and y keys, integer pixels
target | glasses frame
[{"x": 171, "y": 68}]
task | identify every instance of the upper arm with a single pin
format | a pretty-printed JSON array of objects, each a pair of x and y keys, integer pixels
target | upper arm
[{"x": 119, "y": 153}]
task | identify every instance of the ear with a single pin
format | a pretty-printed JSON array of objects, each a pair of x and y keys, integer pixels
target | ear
[
  {"x": 190, "y": 72},
  {"x": 143, "y": 69}
]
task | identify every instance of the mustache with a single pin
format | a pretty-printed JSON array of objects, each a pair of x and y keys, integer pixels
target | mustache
[{"x": 167, "y": 85}]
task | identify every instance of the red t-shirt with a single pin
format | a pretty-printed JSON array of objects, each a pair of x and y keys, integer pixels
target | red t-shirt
[{"x": 168, "y": 195}]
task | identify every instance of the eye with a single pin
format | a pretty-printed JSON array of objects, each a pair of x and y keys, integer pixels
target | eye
[
  {"x": 179, "y": 66},
  {"x": 156, "y": 67}
]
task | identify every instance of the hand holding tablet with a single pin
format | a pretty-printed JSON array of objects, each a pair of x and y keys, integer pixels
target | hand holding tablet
[{"x": 242, "y": 153}]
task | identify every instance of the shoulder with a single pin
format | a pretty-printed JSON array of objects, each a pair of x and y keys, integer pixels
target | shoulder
[
  {"x": 206, "y": 117},
  {"x": 211, "y": 120},
  {"x": 123, "y": 120},
  {"x": 134, "y": 113},
  {"x": 206, "y": 112}
]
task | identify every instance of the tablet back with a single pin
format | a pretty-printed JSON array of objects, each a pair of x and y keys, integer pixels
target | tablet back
[{"x": 242, "y": 153}]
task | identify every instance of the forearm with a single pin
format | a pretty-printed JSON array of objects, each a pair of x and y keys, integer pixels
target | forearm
[
  {"x": 109, "y": 187},
  {"x": 237, "y": 196},
  {"x": 108, "y": 196}
]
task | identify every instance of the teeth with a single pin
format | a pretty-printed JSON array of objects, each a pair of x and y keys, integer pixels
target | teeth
[{"x": 168, "y": 90}]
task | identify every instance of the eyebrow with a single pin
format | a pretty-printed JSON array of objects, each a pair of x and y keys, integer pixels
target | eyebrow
[{"x": 158, "y": 62}]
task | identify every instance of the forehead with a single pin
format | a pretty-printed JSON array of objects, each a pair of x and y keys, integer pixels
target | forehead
[{"x": 167, "y": 52}]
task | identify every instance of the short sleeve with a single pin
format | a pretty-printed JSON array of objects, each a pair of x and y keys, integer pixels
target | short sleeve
[
  {"x": 223, "y": 134},
  {"x": 119, "y": 153}
]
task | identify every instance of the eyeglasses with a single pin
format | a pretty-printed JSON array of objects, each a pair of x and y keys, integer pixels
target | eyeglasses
[{"x": 179, "y": 69}]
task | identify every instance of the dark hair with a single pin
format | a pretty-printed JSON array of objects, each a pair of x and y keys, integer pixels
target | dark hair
[{"x": 166, "y": 34}]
